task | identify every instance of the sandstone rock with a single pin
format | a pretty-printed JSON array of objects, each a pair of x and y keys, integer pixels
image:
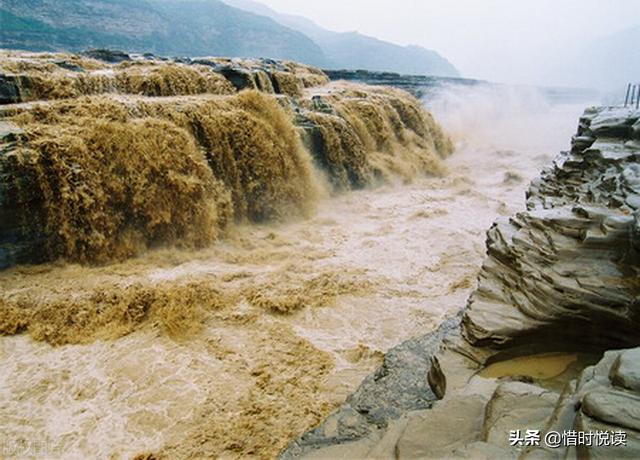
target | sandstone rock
[
  {"x": 544, "y": 279},
  {"x": 483, "y": 451},
  {"x": 629, "y": 451},
  {"x": 614, "y": 407},
  {"x": 592, "y": 403},
  {"x": 545, "y": 273},
  {"x": 516, "y": 406},
  {"x": 625, "y": 371},
  {"x": 438, "y": 432}
]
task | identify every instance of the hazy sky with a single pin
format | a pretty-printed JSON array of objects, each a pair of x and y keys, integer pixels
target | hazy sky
[{"x": 517, "y": 41}]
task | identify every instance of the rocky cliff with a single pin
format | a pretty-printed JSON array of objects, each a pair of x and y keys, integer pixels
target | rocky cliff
[{"x": 545, "y": 343}]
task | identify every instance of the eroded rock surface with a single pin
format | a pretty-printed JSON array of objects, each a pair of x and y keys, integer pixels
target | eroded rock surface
[
  {"x": 566, "y": 269},
  {"x": 560, "y": 277}
]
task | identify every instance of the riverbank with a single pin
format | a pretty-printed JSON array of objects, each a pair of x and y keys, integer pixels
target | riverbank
[
  {"x": 544, "y": 345},
  {"x": 240, "y": 346}
]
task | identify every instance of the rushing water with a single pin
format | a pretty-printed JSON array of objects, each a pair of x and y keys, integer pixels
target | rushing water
[{"x": 371, "y": 269}]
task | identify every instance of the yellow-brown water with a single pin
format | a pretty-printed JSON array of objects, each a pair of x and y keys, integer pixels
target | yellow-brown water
[
  {"x": 549, "y": 370},
  {"x": 104, "y": 176},
  {"x": 49, "y": 80},
  {"x": 284, "y": 319},
  {"x": 543, "y": 366}
]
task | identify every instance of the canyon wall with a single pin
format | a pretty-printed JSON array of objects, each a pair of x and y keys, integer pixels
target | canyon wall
[{"x": 546, "y": 341}]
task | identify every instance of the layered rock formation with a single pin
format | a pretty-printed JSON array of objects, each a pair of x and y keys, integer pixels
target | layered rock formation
[
  {"x": 558, "y": 289},
  {"x": 418, "y": 85},
  {"x": 569, "y": 264},
  {"x": 104, "y": 154}
]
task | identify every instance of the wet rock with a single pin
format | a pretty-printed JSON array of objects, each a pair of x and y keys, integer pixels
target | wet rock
[
  {"x": 239, "y": 78},
  {"x": 68, "y": 66},
  {"x": 111, "y": 56},
  {"x": 17, "y": 242},
  {"x": 10, "y": 86},
  {"x": 398, "y": 386}
]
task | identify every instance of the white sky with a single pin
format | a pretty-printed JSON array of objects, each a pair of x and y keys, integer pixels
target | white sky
[{"x": 516, "y": 41}]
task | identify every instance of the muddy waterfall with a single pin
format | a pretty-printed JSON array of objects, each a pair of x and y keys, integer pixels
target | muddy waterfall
[{"x": 219, "y": 257}]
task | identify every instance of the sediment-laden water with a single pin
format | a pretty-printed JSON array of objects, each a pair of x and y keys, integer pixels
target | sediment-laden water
[{"x": 234, "y": 349}]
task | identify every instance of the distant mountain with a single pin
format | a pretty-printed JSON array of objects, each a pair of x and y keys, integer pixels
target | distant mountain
[
  {"x": 166, "y": 27},
  {"x": 242, "y": 28},
  {"x": 352, "y": 50}
]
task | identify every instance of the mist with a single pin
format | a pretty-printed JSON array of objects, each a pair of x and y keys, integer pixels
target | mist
[
  {"x": 507, "y": 117},
  {"x": 586, "y": 43}
]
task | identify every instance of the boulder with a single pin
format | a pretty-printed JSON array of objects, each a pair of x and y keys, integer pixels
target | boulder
[{"x": 399, "y": 386}]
